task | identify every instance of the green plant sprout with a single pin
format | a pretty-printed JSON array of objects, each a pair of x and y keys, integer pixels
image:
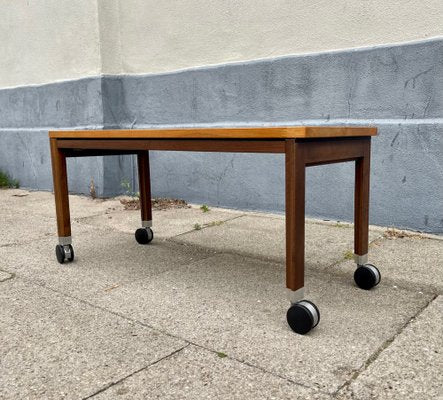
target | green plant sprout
[
  {"x": 126, "y": 185},
  {"x": 7, "y": 182}
]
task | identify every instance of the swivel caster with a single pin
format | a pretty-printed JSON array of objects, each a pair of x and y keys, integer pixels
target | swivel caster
[
  {"x": 144, "y": 235},
  {"x": 303, "y": 316},
  {"x": 367, "y": 276},
  {"x": 64, "y": 253}
]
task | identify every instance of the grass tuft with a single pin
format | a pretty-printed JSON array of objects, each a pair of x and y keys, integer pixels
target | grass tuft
[{"x": 7, "y": 182}]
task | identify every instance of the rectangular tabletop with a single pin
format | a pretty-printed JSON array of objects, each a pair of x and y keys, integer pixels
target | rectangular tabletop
[{"x": 257, "y": 133}]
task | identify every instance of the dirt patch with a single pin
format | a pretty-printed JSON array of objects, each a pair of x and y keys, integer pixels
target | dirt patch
[
  {"x": 392, "y": 233},
  {"x": 157, "y": 204}
]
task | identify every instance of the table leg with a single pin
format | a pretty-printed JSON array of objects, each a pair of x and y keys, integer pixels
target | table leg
[
  {"x": 361, "y": 208},
  {"x": 145, "y": 234},
  {"x": 303, "y": 315},
  {"x": 295, "y": 217},
  {"x": 64, "y": 250},
  {"x": 366, "y": 276}
]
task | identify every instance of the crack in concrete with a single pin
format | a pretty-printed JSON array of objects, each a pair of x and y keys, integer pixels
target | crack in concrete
[
  {"x": 204, "y": 226},
  {"x": 428, "y": 103},
  {"x": 34, "y": 172},
  {"x": 25, "y": 242},
  {"x": 257, "y": 367},
  {"x": 11, "y": 276},
  {"x": 383, "y": 347},
  {"x": 134, "y": 373},
  {"x": 414, "y": 78}
]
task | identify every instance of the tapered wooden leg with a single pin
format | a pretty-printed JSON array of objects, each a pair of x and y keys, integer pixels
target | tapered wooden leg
[
  {"x": 60, "y": 178},
  {"x": 295, "y": 216},
  {"x": 361, "y": 206},
  {"x": 145, "y": 188}
]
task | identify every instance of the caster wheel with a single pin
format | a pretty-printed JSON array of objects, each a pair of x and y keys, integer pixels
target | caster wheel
[
  {"x": 144, "y": 235},
  {"x": 367, "y": 276},
  {"x": 64, "y": 253},
  {"x": 303, "y": 316}
]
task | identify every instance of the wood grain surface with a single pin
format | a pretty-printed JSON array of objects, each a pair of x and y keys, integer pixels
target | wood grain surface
[{"x": 289, "y": 132}]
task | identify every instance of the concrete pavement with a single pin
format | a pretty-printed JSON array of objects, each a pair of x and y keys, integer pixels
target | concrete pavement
[{"x": 201, "y": 313}]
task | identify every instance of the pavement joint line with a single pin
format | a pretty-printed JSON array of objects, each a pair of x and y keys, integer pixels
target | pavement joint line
[
  {"x": 273, "y": 260},
  {"x": 86, "y": 217},
  {"x": 35, "y": 239},
  {"x": 106, "y": 310},
  {"x": 383, "y": 347},
  {"x": 260, "y": 368},
  {"x": 204, "y": 227},
  {"x": 251, "y": 255},
  {"x": 187, "y": 341},
  {"x": 108, "y": 386},
  {"x": 317, "y": 271}
]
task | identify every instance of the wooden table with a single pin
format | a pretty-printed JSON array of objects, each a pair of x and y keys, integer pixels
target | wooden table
[{"x": 303, "y": 147}]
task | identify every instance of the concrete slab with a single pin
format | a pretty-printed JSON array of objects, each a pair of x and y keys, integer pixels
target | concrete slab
[
  {"x": 54, "y": 347},
  {"x": 24, "y": 227},
  {"x": 263, "y": 237},
  {"x": 195, "y": 373},
  {"x": 103, "y": 260},
  {"x": 237, "y": 305},
  {"x": 414, "y": 263},
  {"x": 43, "y": 204},
  {"x": 28, "y": 216},
  {"x": 410, "y": 367},
  {"x": 166, "y": 223}
]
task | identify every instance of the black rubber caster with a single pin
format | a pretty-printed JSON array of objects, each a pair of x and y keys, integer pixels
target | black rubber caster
[
  {"x": 303, "y": 316},
  {"x": 367, "y": 276},
  {"x": 144, "y": 235},
  {"x": 64, "y": 253}
]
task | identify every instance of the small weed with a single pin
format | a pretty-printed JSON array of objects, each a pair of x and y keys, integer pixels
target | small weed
[
  {"x": 214, "y": 223},
  {"x": 348, "y": 255},
  {"x": 197, "y": 227},
  {"x": 204, "y": 208},
  {"x": 7, "y": 182},
  {"x": 125, "y": 184},
  {"x": 92, "y": 189},
  {"x": 340, "y": 225},
  {"x": 221, "y": 355}
]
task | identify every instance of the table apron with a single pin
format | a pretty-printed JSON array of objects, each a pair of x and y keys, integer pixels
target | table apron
[
  {"x": 316, "y": 152},
  {"x": 207, "y": 145}
]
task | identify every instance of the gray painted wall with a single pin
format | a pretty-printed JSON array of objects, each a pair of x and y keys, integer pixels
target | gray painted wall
[{"x": 397, "y": 88}]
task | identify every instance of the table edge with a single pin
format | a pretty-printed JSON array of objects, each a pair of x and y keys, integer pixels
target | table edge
[{"x": 257, "y": 133}]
